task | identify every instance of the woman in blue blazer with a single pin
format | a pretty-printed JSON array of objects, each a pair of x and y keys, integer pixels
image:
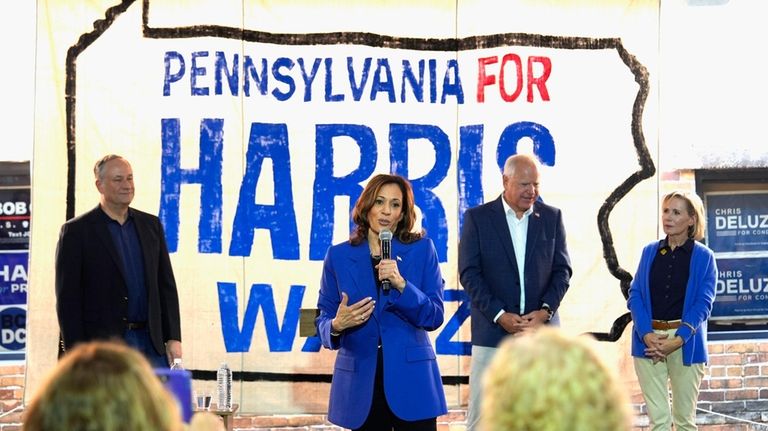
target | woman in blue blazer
[
  {"x": 670, "y": 300},
  {"x": 386, "y": 374}
]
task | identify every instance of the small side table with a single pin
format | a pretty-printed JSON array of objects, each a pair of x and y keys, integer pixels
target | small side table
[{"x": 226, "y": 415}]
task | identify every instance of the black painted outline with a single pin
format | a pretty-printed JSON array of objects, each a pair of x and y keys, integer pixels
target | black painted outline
[
  {"x": 251, "y": 376},
  {"x": 646, "y": 170}
]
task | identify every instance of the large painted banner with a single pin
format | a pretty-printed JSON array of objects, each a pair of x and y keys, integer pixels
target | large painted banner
[{"x": 252, "y": 128}]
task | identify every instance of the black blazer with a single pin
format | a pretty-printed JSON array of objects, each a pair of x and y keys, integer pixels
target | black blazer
[
  {"x": 91, "y": 295},
  {"x": 489, "y": 273}
]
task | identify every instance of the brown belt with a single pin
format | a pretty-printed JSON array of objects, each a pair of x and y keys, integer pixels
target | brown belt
[
  {"x": 133, "y": 326},
  {"x": 666, "y": 324}
]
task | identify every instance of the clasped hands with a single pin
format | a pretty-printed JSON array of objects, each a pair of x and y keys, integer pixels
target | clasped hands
[
  {"x": 349, "y": 316},
  {"x": 516, "y": 324},
  {"x": 658, "y": 346}
]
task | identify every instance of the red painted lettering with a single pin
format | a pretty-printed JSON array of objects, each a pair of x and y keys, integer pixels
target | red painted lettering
[
  {"x": 511, "y": 76},
  {"x": 484, "y": 80},
  {"x": 539, "y": 81}
]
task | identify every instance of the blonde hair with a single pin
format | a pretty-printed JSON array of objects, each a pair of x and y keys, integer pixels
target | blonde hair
[
  {"x": 547, "y": 381},
  {"x": 102, "y": 386},
  {"x": 695, "y": 209}
]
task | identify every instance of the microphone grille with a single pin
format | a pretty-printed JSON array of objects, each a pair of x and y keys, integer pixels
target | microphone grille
[{"x": 385, "y": 235}]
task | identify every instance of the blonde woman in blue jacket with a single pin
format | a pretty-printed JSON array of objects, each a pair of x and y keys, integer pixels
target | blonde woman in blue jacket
[
  {"x": 386, "y": 374},
  {"x": 670, "y": 300}
]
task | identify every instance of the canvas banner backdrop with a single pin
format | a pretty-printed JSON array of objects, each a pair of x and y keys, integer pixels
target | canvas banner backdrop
[{"x": 252, "y": 126}]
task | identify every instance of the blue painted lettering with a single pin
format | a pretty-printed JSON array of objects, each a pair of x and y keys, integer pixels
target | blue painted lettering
[
  {"x": 327, "y": 187},
  {"x": 433, "y": 213},
  {"x": 266, "y": 141},
  {"x": 443, "y": 343},
  {"x": 238, "y": 338},
  {"x": 543, "y": 143},
  {"x": 207, "y": 174},
  {"x": 260, "y": 78},
  {"x": 384, "y": 84},
  {"x": 170, "y": 77},
  {"x": 469, "y": 169},
  {"x": 329, "y": 96},
  {"x": 232, "y": 75},
  {"x": 277, "y": 71},
  {"x": 308, "y": 77},
  {"x": 357, "y": 89},
  {"x": 196, "y": 72}
]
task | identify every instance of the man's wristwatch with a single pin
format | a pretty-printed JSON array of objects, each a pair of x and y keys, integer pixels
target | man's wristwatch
[{"x": 549, "y": 311}]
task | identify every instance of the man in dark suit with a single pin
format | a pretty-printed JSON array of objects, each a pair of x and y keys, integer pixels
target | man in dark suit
[
  {"x": 514, "y": 264},
  {"x": 113, "y": 273}
]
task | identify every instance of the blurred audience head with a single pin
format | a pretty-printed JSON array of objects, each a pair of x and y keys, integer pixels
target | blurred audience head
[
  {"x": 206, "y": 421},
  {"x": 104, "y": 386},
  {"x": 549, "y": 381}
]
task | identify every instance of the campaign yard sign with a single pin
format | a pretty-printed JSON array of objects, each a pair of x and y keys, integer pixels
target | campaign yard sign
[
  {"x": 737, "y": 231},
  {"x": 737, "y": 223}
]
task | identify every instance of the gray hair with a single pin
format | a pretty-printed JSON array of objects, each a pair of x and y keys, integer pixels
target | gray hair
[
  {"x": 515, "y": 160},
  {"x": 98, "y": 168}
]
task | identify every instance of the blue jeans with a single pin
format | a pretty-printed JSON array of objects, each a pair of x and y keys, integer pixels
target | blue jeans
[{"x": 139, "y": 339}]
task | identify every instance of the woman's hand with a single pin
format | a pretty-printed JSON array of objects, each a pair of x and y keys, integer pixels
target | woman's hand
[
  {"x": 659, "y": 346},
  {"x": 669, "y": 345},
  {"x": 388, "y": 271},
  {"x": 653, "y": 342},
  {"x": 352, "y": 315}
]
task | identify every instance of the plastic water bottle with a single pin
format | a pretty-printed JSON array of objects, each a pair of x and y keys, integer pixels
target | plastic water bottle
[
  {"x": 224, "y": 387},
  {"x": 177, "y": 364}
]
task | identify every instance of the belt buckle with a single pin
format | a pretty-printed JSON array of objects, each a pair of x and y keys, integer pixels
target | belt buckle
[{"x": 665, "y": 324}]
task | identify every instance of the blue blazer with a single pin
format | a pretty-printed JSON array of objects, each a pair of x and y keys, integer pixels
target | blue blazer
[
  {"x": 489, "y": 273},
  {"x": 697, "y": 305},
  {"x": 412, "y": 383}
]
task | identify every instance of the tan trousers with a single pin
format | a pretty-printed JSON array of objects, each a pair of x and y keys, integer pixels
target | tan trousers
[{"x": 655, "y": 380}]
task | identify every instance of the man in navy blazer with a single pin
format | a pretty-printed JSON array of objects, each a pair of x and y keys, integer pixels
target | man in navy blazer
[
  {"x": 514, "y": 264},
  {"x": 113, "y": 273}
]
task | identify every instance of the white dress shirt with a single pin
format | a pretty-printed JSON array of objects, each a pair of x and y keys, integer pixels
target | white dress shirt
[{"x": 518, "y": 232}]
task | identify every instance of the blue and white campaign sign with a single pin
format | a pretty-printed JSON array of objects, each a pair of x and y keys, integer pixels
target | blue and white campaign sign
[
  {"x": 13, "y": 304},
  {"x": 742, "y": 290},
  {"x": 252, "y": 127},
  {"x": 15, "y": 217},
  {"x": 13, "y": 277},
  {"x": 737, "y": 223},
  {"x": 13, "y": 332},
  {"x": 737, "y": 231}
]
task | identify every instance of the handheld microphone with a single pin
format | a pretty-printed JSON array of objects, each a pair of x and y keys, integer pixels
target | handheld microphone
[{"x": 385, "y": 237}]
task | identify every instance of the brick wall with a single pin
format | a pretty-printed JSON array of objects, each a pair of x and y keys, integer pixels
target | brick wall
[
  {"x": 735, "y": 390},
  {"x": 11, "y": 393}
]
